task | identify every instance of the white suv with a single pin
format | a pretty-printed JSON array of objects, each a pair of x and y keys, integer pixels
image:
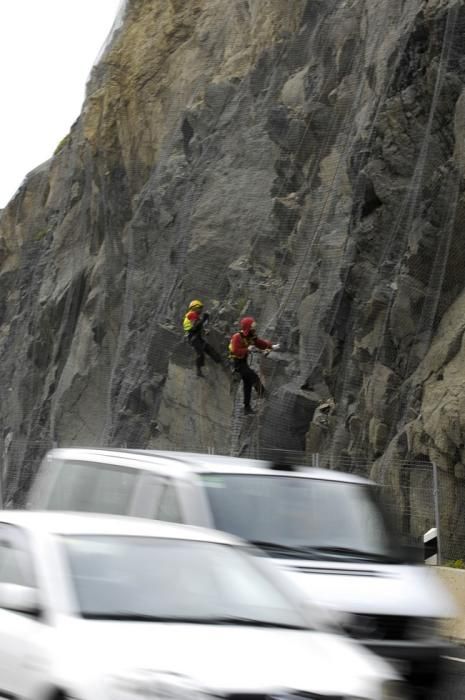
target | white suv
[
  {"x": 326, "y": 529},
  {"x": 107, "y": 608}
]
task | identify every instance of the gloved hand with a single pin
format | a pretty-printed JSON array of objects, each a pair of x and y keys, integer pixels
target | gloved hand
[
  {"x": 206, "y": 315},
  {"x": 276, "y": 346}
]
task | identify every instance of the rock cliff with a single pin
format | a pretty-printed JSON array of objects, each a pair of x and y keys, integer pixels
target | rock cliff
[{"x": 302, "y": 161}]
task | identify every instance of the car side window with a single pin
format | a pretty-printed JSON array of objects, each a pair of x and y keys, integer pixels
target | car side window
[
  {"x": 169, "y": 508},
  {"x": 16, "y": 565},
  {"x": 94, "y": 487}
]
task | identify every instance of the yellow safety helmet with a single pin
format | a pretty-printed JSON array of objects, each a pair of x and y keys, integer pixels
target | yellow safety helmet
[{"x": 196, "y": 304}]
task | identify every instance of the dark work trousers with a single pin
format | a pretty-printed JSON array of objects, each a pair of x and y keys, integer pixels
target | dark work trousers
[
  {"x": 249, "y": 379},
  {"x": 203, "y": 348}
]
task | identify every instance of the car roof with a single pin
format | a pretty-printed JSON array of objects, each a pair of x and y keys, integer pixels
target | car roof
[
  {"x": 70, "y": 523},
  {"x": 184, "y": 463}
]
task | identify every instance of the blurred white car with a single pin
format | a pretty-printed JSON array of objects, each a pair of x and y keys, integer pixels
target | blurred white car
[
  {"x": 100, "y": 607},
  {"x": 325, "y": 529}
]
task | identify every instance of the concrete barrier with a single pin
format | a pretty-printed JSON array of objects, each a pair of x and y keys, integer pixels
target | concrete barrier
[{"x": 454, "y": 580}]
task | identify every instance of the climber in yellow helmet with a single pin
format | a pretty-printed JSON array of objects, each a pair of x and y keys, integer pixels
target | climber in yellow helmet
[{"x": 194, "y": 322}]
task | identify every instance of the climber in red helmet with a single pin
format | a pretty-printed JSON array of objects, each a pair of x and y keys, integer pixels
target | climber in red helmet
[{"x": 239, "y": 347}]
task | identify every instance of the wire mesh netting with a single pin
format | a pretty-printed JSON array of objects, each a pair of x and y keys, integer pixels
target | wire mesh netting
[{"x": 273, "y": 164}]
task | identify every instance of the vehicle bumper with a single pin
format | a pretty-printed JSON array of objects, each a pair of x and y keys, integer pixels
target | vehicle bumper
[{"x": 421, "y": 665}]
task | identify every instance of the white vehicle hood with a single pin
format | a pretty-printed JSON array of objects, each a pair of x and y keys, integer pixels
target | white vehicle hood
[
  {"x": 371, "y": 588},
  {"x": 226, "y": 658}
]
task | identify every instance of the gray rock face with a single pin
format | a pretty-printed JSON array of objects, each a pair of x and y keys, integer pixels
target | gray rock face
[{"x": 302, "y": 162}]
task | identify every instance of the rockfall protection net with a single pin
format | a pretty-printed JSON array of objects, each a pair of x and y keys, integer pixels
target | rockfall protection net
[{"x": 336, "y": 271}]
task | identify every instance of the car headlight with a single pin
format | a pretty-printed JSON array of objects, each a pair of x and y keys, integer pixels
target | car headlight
[
  {"x": 155, "y": 685},
  {"x": 423, "y": 628}
]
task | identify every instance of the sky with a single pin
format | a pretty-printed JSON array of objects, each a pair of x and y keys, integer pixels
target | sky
[{"x": 47, "y": 49}]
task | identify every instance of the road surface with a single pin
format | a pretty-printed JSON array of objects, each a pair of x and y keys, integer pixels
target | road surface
[{"x": 453, "y": 685}]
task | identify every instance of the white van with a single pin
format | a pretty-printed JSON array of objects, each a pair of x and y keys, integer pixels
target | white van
[{"x": 326, "y": 529}]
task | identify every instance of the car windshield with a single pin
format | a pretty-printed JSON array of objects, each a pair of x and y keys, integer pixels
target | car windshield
[
  {"x": 173, "y": 580},
  {"x": 292, "y": 515}
]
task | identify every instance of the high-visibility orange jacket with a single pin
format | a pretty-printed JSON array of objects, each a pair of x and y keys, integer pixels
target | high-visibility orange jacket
[{"x": 239, "y": 345}]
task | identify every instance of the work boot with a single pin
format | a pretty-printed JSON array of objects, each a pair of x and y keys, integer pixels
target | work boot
[{"x": 248, "y": 411}]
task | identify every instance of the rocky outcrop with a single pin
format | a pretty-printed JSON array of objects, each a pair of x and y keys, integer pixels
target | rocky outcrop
[{"x": 300, "y": 161}]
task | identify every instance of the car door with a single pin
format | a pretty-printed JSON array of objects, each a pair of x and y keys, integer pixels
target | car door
[{"x": 24, "y": 665}]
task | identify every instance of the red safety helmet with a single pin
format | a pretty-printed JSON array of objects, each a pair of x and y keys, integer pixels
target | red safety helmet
[{"x": 247, "y": 325}]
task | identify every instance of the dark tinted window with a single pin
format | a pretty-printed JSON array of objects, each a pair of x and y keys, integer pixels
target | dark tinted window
[{"x": 93, "y": 487}]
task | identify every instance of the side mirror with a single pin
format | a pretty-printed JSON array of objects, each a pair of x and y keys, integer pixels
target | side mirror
[{"x": 20, "y": 599}]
